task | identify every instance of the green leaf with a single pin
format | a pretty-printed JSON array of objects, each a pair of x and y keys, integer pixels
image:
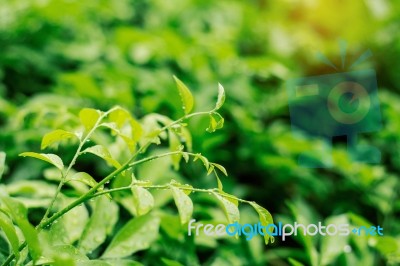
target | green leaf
[
  {"x": 174, "y": 145},
  {"x": 102, "y": 152},
  {"x": 2, "y": 163},
  {"x": 168, "y": 262},
  {"x": 8, "y": 228},
  {"x": 55, "y": 136},
  {"x": 48, "y": 157},
  {"x": 183, "y": 203},
  {"x": 138, "y": 234},
  {"x": 187, "y": 138},
  {"x": 84, "y": 178},
  {"x": 387, "y": 245},
  {"x": 216, "y": 122},
  {"x": 142, "y": 199},
  {"x": 137, "y": 130},
  {"x": 119, "y": 116},
  {"x": 203, "y": 159},
  {"x": 185, "y": 156},
  {"x": 221, "y": 97},
  {"x": 220, "y": 186},
  {"x": 265, "y": 219},
  {"x": 119, "y": 262},
  {"x": 230, "y": 208},
  {"x": 94, "y": 263},
  {"x": 210, "y": 169},
  {"x": 65, "y": 255},
  {"x": 186, "y": 96},
  {"x": 19, "y": 214},
  {"x": 213, "y": 125},
  {"x": 294, "y": 262},
  {"x": 333, "y": 246},
  {"x": 221, "y": 168},
  {"x": 73, "y": 222},
  {"x": 100, "y": 224},
  {"x": 89, "y": 117}
]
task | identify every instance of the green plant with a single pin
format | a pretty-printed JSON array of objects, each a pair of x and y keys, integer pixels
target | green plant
[{"x": 102, "y": 197}]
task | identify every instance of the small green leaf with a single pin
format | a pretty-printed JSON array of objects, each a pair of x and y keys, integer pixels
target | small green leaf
[
  {"x": 231, "y": 209},
  {"x": 183, "y": 203},
  {"x": 87, "y": 179},
  {"x": 210, "y": 169},
  {"x": 294, "y": 262},
  {"x": 174, "y": 145},
  {"x": 55, "y": 136},
  {"x": 100, "y": 224},
  {"x": 119, "y": 262},
  {"x": 221, "y": 168},
  {"x": 213, "y": 125},
  {"x": 137, "y": 130},
  {"x": 186, "y": 96},
  {"x": 84, "y": 178},
  {"x": 119, "y": 116},
  {"x": 138, "y": 234},
  {"x": 220, "y": 186},
  {"x": 89, "y": 117},
  {"x": 221, "y": 97},
  {"x": 265, "y": 219},
  {"x": 332, "y": 246},
  {"x": 93, "y": 263},
  {"x": 47, "y": 157},
  {"x": 203, "y": 159},
  {"x": 185, "y": 156},
  {"x": 102, "y": 152},
  {"x": 8, "y": 228},
  {"x": 186, "y": 137},
  {"x": 168, "y": 262},
  {"x": 216, "y": 122},
  {"x": 143, "y": 200},
  {"x": 2, "y": 163}
]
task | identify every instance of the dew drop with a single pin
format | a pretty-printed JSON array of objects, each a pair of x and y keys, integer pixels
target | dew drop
[{"x": 347, "y": 249}]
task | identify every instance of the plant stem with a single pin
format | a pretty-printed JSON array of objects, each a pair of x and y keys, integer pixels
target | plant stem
[
  {"x": 47, "y": 221},
  {"x": 12, "y": 256},
  {"x": 72, "y": 163},
  {"x": 93, "y": 190},
  {"x": 167, "y": 186}
]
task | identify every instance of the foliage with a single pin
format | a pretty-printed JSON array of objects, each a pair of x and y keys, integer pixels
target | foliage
[{"x": 137, "y": 233}]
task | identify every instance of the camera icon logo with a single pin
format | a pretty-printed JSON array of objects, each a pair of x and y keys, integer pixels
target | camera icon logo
[{"x": 332, "y": 105}]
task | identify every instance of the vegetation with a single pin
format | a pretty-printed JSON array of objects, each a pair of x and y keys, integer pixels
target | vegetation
[{"x": 123, "y": 158}]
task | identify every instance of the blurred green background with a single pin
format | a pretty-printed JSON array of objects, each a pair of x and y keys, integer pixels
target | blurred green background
[{"x": 58, "y": 56}]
